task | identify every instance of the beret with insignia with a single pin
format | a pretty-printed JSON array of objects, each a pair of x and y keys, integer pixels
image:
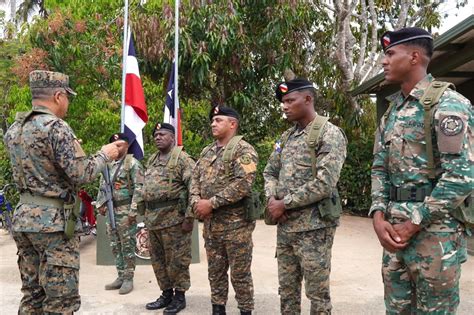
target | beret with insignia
[
  {"x": 118, "y": 136},
  {"x": 390, "y": 39},
  {"x": 220, "y": 110},
  {"x": 164, "y": 126},
  {"x": 41, "y": 79},
  {"x": 286, "y": 87}
]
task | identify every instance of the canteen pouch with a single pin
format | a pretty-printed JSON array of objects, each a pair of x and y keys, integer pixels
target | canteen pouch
[
  {"x": 71, "y": 212},
  {"x": 183, "y": 201},
  {"x": 465, "y": 212},
  {"x": 330, "y": 208},
  {"x": 253, "y": 207}
]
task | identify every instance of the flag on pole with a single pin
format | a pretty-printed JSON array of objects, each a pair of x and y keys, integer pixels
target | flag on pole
[
  {"x": 135, "y": 114},
  {"x": 172, "y": 113}
]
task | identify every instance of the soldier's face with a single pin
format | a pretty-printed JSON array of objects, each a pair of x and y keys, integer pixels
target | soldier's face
[
  {"x": 397, "y": 63},
  {"x": 123, "y": 150},
  {"x": 62, "y": 100},
  {"x": 222, "y": 126},
  {"x": 295, "y": 105},
  {"x": 163, "y": 139}
]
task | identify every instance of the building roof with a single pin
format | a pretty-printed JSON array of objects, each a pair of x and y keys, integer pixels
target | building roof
[{"x": 453, "y": 58}]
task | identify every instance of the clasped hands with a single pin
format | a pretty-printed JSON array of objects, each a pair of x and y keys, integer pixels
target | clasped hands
[{"x": 393, "y": 237}]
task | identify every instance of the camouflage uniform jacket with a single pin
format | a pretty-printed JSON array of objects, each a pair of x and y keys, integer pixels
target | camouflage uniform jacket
[
  {"x": 289, "y": 173},
  {"x": 157, "y": 188},
  {"x": 54, "y": 164},
  {"x": 400, "y": 158},
  {"x": 128, "y": 180},
  {"x": 210, "y": 182}
]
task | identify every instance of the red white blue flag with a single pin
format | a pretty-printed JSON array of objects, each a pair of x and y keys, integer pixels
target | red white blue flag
[
  {"x": 135, "y": 113},
  {"x": 172, "y": 113}
]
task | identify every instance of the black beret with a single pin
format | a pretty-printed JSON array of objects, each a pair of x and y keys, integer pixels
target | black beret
[
  {"x": 223, "y": 111},
  {"x": 164, "y": 126},
  {"x": 390, "y": 39},
  {"x": 287, "y": 87},
  {"x": 118, "y": 136}
]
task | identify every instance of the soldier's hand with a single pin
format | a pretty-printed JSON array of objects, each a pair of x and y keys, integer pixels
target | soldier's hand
[
  {"x": 187, "y": 225},
  {"x": 276, "y": 208},
  {"x": 203, "y": 208},
  {"x": 102, "y": 210},
  {"x": 406, "y": 230},
  {"x": 132, "y": 219},
  {"x": 283, "y": 218},
  {"x": 388, "y": 237},
  {"x": 114, "y": 150}
]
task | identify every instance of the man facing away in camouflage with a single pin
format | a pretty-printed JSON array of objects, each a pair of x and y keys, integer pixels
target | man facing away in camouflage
[
  {"x": 126, "y": 177},
  {"x": 217, "y": 198},
  {"x": 423, "y": 243},
  {"x": 294, "y": 193},
  {"x": 164, "y": 202},
  {"x": 48, "y": 166}
]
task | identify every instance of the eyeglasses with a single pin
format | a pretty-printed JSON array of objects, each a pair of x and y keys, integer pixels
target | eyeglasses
[{"x": 70, "y": 97}]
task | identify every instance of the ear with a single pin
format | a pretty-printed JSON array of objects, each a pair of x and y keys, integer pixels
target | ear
[{"x": 416, "y": 57}]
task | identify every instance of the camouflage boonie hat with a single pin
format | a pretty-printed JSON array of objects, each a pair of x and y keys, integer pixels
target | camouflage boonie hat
[{"x": 40, "y": 79}]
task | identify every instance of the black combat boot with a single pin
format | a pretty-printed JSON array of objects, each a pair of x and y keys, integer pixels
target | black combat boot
[
  {"x": 177, "y": 304},
  {"x": 245, "y": 312},
  {"x": 218, "y": 309},
  {"x": 163, "y": 301}
]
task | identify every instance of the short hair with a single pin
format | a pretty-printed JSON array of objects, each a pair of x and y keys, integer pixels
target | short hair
[
  {"x": 42, "y": 93},
  {"x": 425, "y": 43}
]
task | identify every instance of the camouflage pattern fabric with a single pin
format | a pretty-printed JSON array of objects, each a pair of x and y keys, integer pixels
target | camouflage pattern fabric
[
  {"x": 424, "y": 277},
  {"x": 157, "y": 188},
  {"x": 49, "y": 270},
  {"x": 289, "y": 173},
  {"x": 304, "y": 255},
  {"x": 400, "y": 159},
  {"x": 227, "y": 234},
  {"x": 54, "y": 164},
  {"x": 122, "y": 240},
  {"x": 170, "y": 251}
]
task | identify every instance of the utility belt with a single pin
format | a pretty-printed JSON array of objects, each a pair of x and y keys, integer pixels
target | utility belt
[
  {"x": 124, "y": 202},
  {"x": 238, "y": 204},
  {"x": 413, "y": 194},
  {"x": 41, "y": 200},
  {"x": 159, "y": 204}
]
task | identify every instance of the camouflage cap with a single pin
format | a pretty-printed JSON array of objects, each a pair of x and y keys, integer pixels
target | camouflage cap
[{"x": 48, "y": 79}]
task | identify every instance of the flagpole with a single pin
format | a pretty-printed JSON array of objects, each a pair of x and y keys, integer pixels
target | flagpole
[
  {"x": 124, "y": 63},
  {"x": 176, "y": 47}
]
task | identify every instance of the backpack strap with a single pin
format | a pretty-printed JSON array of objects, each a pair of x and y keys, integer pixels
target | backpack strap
[
  {"x": 229, "y": 152},
  {"x": 173, "y": 162},
  {"x": 313, "y": 138},
  {"x": 127, "y": 166},
  {"x": 430, "y": 98}
]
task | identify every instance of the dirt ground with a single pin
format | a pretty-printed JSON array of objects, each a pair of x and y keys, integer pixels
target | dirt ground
[{"x": 356, "y": 284}]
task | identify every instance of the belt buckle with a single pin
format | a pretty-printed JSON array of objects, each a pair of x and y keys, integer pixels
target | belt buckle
[{"x": 413, "y": 194}]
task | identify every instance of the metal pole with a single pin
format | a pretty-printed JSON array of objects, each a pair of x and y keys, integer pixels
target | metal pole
[
  {"x": 176, "y": 47},
  {"x": 126, "y": 36}
]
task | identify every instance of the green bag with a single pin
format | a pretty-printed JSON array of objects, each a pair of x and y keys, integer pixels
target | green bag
[
  {"x": 330, "y": 208},
  {"x": 73, "y": 211}
]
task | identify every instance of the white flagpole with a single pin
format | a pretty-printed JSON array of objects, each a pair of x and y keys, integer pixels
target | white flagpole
[
  {"x": 176, "y": 42},
  {"x": 126, "y": 35}
]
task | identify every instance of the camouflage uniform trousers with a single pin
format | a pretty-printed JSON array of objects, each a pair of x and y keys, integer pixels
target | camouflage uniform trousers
[
  {"x": 170, "y": 251},
  {"x": 304, "y": 255},
  {"x": 424, "y": 277},
  {"x": 49, "y": 270},
  {"x": 234, "y": 249},
  {"x": 123, "y": 243}
]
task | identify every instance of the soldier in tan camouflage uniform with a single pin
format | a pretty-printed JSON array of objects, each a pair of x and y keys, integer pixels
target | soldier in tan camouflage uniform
[
  {"x": 413, "y": 205},
  {"x": 126, "y": 176},
  {"x": 218, "y": 200},
  {"x": 48, "y": 165},
  {"x": 294, "y": 194},
  {"x": 165, "y": 196}
]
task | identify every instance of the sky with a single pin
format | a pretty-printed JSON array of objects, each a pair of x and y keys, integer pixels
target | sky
[{"x": 455, "y": 15}]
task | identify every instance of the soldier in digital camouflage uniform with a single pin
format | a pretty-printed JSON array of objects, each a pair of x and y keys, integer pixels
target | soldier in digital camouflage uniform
[
  {"x": 126, "y": 176},
  {"x": 163, "y": 201},
  {"x": 304, "y": 238},
  {"x": 218, "y": 200},
  {"x": 424, "y": 244},
  {"x": 48, "y": 166}
]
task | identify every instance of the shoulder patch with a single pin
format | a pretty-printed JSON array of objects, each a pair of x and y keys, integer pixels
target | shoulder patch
[
  {"x": 245, "y": 159},
  {"x": 451, "y": 125}
]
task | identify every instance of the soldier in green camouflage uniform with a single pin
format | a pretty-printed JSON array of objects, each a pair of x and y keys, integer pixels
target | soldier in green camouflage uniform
[
  {"x": 163, "y": 201},
  {"x": 126, "y": 177},
  {"x": 218, "y": 200},
  {"x": 424, "y": 244},
  {"x": 48, "y": 165},
  {"x": 304, "y": 238}
]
